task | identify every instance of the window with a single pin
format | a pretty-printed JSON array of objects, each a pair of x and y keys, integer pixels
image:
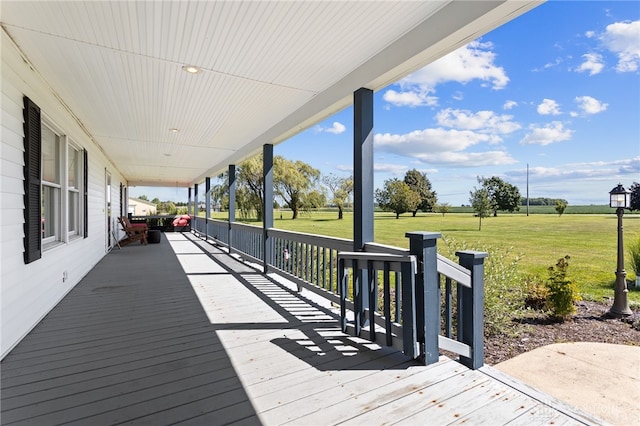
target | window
[
  {"x": 56, "y": 180},
  {"x": 51, "y": 187}
]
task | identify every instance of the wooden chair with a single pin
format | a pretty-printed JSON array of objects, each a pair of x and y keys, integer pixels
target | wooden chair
[
  {"x": 128, "y": 223},
  {"x": 134, "y": 232}
]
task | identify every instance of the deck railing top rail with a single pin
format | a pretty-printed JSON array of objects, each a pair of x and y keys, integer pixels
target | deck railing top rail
[{"x": 311, "y": 261}]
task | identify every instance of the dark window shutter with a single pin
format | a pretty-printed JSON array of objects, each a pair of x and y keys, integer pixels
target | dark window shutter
[
  {"x": 32, "y": 190},
  {"x": 85, "y": 188}
]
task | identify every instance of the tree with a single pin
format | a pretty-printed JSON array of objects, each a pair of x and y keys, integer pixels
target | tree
[
  {"x": 481, "y": 203},
  {"x": 502, "y": 195},
  {"x": 341, "y": 189},
  {"x": 540, "y": 201},
  {"x": 561, "y": 206},
  {"x": 297, "y": 184},
  {"x": 420, "y": 184},
  {"x": 442, "y": 208},
  {"x": 635, "y": 196},
  {"x": 155, "y": 201},
  {"x": 220, "y": 192},
  {"x": 397, "y": 197},
  {"x": 167, "y": 207},
  {"x": 249, "y": 192},
  {"x": 143, "y": 197}
]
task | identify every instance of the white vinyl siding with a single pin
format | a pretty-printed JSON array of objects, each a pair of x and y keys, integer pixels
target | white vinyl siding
[{"x": 29, "y": 291}]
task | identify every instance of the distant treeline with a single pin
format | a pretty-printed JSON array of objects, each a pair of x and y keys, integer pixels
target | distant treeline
[
  {"x": 541, "y": 201},
  {"x": 582, "y": 209}
]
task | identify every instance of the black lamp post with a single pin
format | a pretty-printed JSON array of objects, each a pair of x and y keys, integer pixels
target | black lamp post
[{"x": 620, "y": 200}]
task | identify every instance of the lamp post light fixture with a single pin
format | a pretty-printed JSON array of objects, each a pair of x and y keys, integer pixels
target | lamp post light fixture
[{"x": 620, "y": 200}]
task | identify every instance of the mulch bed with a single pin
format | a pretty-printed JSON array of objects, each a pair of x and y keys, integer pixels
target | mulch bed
[{"x": 589, "y": 324}]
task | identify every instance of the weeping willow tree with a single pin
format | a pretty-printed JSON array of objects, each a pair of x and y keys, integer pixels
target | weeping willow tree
[
  {"x": 249, "y": 193},
  {"x": 295, "y": 182},
  {"x": 341, "y": 190}
]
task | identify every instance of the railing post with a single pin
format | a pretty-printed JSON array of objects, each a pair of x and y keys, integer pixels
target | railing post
[
  {"x": 471, "y": 308},
  {"x": 232, "y": 204},
  {"x": 195, "y": 206},
  {"x": 267, "y": 204},
  {"x": 207, "y": 203},
  {"x": 189, "y": 202},
  {"x": 363, "y": 182},
  {"x": 423, "y": 245}
]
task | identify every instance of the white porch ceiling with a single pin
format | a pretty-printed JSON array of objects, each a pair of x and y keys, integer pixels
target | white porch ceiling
[{"x": 270, "y": 69}]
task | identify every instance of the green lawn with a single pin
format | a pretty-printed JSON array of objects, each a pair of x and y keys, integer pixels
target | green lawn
[{"x": 540, "y": 239}]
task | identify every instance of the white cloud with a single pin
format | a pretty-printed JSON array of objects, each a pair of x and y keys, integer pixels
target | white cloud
[
  {"x": 623, "y": 39},
  {"x": 336, "y": 128},
  {"x": 593, "y": 63},
  {"x": 393, "y": 169},
  {"x": 412, "y": 99},
  {"x": 442, "y": 146},
  {"x": 475, "y": 61},
  {"x": 428, "y": 140},
  {"x": 590, "y": 105},
  {"x": 470, "y": 159},
  {"x": 344, "y": 168},
  {"x": 555, "y": 63},
  {"x": 609, "y": 170},
  {"x": 482, "y": 121},
  {"x": 548, "y": 107},
  {"x": 509, "y": 105},
  {"x": 551, "y": 133}
]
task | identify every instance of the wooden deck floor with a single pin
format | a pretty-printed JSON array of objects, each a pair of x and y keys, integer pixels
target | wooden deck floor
[{"x": 180, "y": 332}]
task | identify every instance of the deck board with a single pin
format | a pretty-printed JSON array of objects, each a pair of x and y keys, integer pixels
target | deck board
[{"x": 181, "y": 332}]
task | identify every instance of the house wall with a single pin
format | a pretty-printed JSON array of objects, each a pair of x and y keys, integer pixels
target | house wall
[
  {"x": 29, "y": 291},
  {"x": 140, "y": 208}
]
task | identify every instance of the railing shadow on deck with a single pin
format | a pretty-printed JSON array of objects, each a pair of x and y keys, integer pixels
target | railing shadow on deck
[
  {"x": 446, "y": 299},
  {"x": 318, "y": 340}
]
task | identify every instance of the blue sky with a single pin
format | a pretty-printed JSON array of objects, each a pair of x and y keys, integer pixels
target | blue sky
[{"x": 557, "y": 88}]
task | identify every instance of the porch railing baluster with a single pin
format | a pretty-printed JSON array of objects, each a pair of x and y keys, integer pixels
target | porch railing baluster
[{"x": 411, "y": 314}]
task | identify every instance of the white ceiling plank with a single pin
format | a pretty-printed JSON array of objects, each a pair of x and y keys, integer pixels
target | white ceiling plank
[{"x": 270, "y": 68}]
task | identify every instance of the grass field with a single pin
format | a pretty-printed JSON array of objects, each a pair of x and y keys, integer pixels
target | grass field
[{"x": 538, "y": 239}]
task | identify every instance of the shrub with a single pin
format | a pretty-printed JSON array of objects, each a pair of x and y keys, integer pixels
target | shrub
[
  {"x": 634, "y": 256},
  {"x": 563, "y": 292},
  {"x": 503, "y": 289},
  {"x": 561, "y": 206},
  {"x": 536, "y": 293}
]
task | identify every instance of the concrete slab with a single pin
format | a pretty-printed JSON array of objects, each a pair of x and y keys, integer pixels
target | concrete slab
[{"x": 599, "y": 378}]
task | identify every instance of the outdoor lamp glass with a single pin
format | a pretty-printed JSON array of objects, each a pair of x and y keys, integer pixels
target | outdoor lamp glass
[
  {"x": 620, "y": 200},
  {"x": 619, "y": 197}
]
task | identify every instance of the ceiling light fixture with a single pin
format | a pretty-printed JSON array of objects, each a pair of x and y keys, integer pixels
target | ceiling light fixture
[
  {"x": 174, "y": 130},
  {"x": 192, "y": 69}
]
